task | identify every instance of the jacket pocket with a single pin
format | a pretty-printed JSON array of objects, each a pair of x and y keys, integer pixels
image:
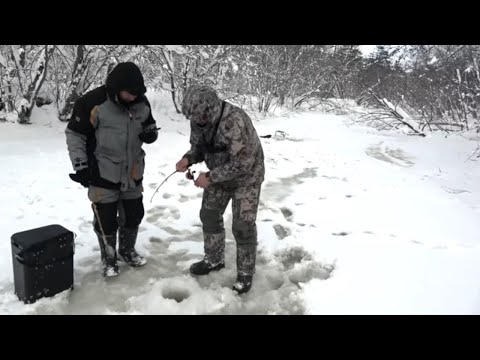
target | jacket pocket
[{"x": 110, "y": 167}]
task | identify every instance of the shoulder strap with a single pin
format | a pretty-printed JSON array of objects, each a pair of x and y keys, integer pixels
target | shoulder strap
[
  {"x": 218, "y": 124},
  {"x": 211, "y": 147}
]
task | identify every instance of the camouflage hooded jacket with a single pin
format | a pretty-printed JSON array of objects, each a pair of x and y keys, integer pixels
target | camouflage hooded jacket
[{"x": 224, "y": 137}]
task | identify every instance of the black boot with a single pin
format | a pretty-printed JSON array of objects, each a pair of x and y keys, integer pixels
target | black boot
[
  {"x": 203, "y": 267},
  {"x": 108, "y": 253},
  {"x": 126, "y": 247},
  {"x": 243, "y": 284},
  {"x": 214, "y": 260},
  {"x": 246, "y": 258}
]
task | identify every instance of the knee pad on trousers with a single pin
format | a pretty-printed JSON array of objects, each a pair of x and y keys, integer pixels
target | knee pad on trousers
[
  {"x": 212, "y": 221},
  {"x": 245, "y": 232}
]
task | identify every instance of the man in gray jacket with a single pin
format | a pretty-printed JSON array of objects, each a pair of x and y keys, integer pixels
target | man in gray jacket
[
  {"x": 223, "y": 136},
  {"x": 104, "y": 137}
]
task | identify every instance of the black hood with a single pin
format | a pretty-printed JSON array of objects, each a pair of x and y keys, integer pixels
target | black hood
[{"x": 125, "y": 76}]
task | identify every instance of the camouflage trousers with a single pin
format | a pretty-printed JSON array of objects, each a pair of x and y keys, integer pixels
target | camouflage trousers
[{"x": 244, "y": 209}]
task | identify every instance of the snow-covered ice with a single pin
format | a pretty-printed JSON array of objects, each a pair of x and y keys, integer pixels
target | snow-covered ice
[{"x": 351, "y": 221}]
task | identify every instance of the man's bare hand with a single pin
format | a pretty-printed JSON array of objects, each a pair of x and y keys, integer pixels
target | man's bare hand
[
  {"x": 183, "y": 165},
  {"x": 202, "y": 181}
]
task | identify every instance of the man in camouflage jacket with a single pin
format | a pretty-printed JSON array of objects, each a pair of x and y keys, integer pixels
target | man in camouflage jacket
[{"x": 224, "y": 137}]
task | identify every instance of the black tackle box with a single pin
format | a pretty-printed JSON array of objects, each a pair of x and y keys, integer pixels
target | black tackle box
[{"x": 42, "y": 262}]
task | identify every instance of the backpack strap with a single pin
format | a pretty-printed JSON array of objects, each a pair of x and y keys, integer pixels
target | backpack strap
[{"x": 210, "y": 148}]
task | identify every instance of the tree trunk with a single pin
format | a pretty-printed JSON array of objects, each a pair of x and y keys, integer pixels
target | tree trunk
[
  {"x": 74, "y": 93},
  {"x": 27, "y": 103},
  {"x": 9, "y": 103},
  {"x": 168, "y": 57}
]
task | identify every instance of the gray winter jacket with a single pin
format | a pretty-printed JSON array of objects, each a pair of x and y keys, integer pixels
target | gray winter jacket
[{"x": 103, "y": 136}]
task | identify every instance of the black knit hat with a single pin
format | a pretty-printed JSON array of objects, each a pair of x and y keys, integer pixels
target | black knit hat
[{"x": 126, "y": 76}]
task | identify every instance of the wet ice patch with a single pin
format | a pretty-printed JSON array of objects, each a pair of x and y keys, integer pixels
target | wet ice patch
[
  {"x": 291, "y": 256},
  {"x": 280, "y": 231},
  {"x": 162, "y": 212},
  {"x": 395, "y": 156},
  {"x": 309, "y": 270},
  {"x": 287, "y": 213}
]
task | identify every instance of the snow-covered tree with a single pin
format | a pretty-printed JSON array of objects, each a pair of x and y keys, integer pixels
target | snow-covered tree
[{"x": 23, "y": 71}]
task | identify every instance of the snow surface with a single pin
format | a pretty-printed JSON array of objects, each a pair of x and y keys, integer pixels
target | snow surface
[{"x": 351, "y": 221}]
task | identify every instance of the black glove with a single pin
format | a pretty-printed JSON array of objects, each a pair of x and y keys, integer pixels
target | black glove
[
  {"x": 149, "y": 134},
  {"x": 82, "y": 177}
]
